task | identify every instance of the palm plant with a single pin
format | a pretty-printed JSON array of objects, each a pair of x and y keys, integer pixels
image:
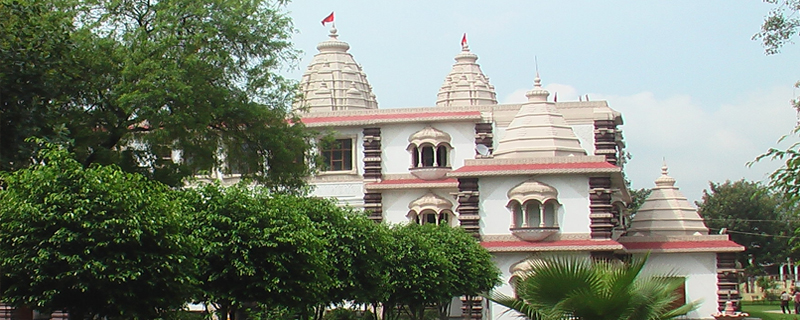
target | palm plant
[{"x": 574, "y": 288}]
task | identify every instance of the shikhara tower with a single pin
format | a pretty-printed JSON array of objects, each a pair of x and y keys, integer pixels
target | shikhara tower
[{"x": 528, "y": 180}]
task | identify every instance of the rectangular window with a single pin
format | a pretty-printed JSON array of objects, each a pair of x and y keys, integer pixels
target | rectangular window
[{"x": 338, "y": 155}]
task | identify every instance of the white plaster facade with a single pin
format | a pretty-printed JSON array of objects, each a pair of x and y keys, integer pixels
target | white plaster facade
[{"x": 575, "y": 148}]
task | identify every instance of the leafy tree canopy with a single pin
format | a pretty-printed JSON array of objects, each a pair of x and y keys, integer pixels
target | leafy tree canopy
[
  {"x": 259, "y": 247},
  {"x": 754, "y": 218},
  {"x": 430, "y": 265},
  {"x": 126, "y": 82},
  {"x": 93, "y": 241}
]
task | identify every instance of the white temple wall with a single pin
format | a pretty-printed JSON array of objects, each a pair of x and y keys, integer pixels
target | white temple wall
[
  {"x": 346, "y": 193},
  {"x": 394, "y": 140},
  {"x": 573, "y": 195},
  {"x": 700, "y": 270}
]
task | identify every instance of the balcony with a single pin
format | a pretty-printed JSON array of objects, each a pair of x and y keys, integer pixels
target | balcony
[
  {"x": 430, "y": 173},
  {"x": 534, "y": 234}
]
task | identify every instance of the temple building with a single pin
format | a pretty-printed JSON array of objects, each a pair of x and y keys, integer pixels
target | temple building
[{"x": 528, "y": 180}]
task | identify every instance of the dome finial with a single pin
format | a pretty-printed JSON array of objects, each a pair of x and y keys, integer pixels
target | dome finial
[
  {"x": 665, "y": 180},
  {"x": 538, "y": 93},
  {"x": 333, "y": 34}
]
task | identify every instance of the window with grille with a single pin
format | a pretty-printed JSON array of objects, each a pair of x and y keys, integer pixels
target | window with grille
[{"x": 338, "y": 155}]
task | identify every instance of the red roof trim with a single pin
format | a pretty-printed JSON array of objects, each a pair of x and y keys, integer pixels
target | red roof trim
[
  {"x": 536, "y": 166},
  {"x": 412, "y": 181},
  {"x": 388, "y": 116},
  {"x": 548, "y": 244},
  {"x": 681, "y": 245}
]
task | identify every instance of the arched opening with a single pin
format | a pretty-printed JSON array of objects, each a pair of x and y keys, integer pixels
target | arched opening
[
  {"x": 441, "y": 156},
  {"x": 427, "y": 156},
  {"x": 415, "y": 157},
  {"x": 550, "y": 214},
  {"x": 533, "y": 211},
  {"x": 519, "y": 218}
]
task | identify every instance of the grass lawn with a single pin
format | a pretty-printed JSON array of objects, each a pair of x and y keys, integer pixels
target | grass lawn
[{"x": 761, "y": 311}]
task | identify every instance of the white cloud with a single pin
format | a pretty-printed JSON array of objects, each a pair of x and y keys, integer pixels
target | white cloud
[{"x": 702, "y": 143}]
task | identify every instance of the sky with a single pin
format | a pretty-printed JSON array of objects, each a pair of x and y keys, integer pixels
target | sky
[{"x": 693, "y": 87}]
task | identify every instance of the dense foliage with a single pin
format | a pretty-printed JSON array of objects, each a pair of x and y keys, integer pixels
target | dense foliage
[
  {"x": 580, "y": 288},
  {"x": 93, "y": 241},
  {"x": 429, "y": 265},
  {"x": 127, "y": 82},
  {"x": 100, "y": 242},
  {"x": 754, "y": 217}
]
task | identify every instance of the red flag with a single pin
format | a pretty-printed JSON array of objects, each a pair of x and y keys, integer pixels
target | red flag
[
  {"x": 464, "y": 39},
  {"x": 555, "y": 97},
  {"x": 327, "y": 19}
]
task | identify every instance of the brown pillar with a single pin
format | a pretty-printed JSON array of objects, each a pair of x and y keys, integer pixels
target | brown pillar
[
  {"x": 600, "y": 207},
  {"x": 727, "y": 282},
  {"x": 605, "y": 140},
  {"x": 468, "y": 205}
]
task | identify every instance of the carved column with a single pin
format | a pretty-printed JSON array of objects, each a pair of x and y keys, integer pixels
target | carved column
[
  {"x": 372, "y": 153},
  {"x": 468, "y": 205},
  {"x": 600, "y": 207},
  {"x": 373, "y": 205},
  {"x": 605, "y": 140},
  {"x": 727, "y": 282},
  {"x": 484, "y": 136},
  {"x": 373, "y": 201},
  {"x": 469, "y": 216}
]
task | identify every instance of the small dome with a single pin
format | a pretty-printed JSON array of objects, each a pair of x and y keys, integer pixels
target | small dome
[
  {"x": 466, "y": 85},
  {"x": 532, "y": 190},
  {"x": 334, "y": 81},
  {"x": 538, "y": 130},
  {"x": 667, "y": 212},
  {"x": 430, "y": 201},
  {"x": 429, "y": 135}
]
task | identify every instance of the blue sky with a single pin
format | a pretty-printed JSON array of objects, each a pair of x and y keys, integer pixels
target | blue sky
[{"x": 691, "y": 84}]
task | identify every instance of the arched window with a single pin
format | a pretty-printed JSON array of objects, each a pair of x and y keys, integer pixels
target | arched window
[
  {"x": 429, "y": 147},
  {"x": 533, "y": 205},
  {"x": 431, "y": 208}
]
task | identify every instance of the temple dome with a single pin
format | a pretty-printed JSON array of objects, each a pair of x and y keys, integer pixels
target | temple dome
[
  {"x": 334, "y": 81},
  {"x": 466, "y": 85},
  {"x": 667, "y": 212},
  {"x": 538, "y": 130}
]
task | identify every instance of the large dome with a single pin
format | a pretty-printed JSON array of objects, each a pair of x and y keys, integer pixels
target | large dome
[{"x": 334, "y": 81}]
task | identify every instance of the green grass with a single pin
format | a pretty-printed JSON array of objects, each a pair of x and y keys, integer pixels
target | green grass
[{"x": 760, "y": 311}]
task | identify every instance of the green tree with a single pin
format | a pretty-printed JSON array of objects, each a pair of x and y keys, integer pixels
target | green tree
[
  {"x": 356, "y": 249},
  {"x": 578, "y": 288},
  {"x": 96, "y": 242},
  {"x": 754, "y": 217},
  {"x": 36, "y": 74},
  {"x": 146, "y": 77},
  {"x": 259, "y": 247},
  {"x": 430, "y": 265}
]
